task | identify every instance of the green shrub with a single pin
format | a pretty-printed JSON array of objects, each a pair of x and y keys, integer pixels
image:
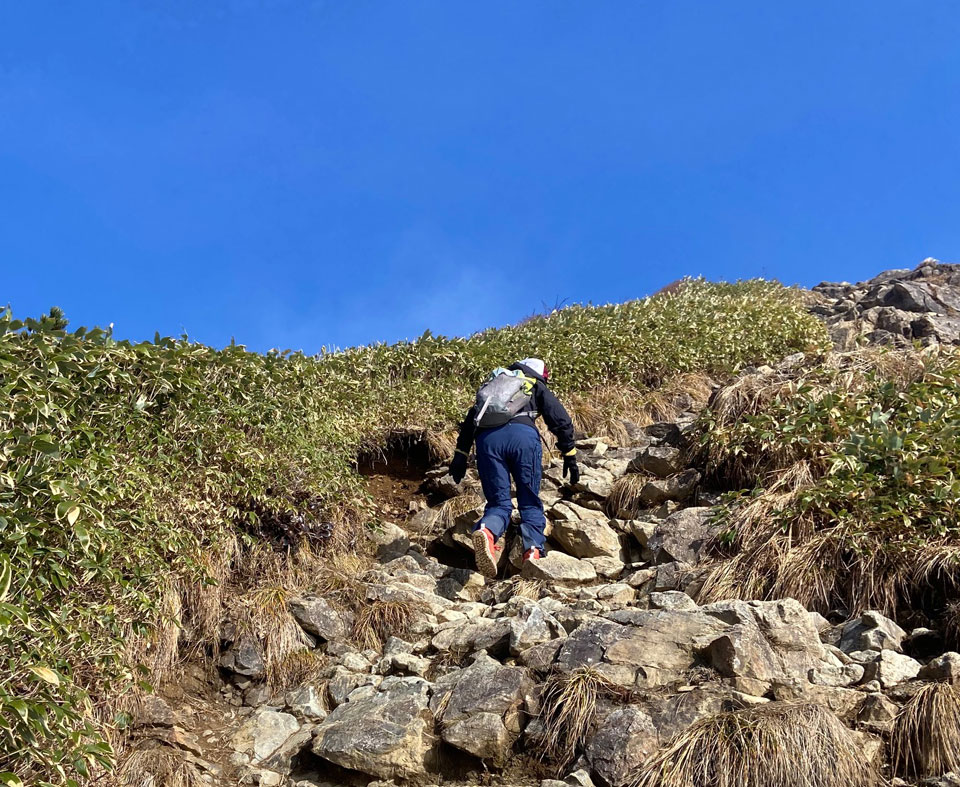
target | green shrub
[
  {"x": 128, "y": 473},
  {"x": 856, "y": 466}
]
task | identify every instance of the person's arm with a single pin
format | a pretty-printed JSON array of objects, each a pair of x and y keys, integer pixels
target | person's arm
[
  {"x": 557, "y": 419},
  {"x": 458, "y": 465},
  {"x": 468, "y": 430}
]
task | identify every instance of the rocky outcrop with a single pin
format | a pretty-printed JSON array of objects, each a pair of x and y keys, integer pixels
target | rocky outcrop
[
  {"x": 897, "y": 307},
  {"x": 481, "y": 709},
  {"x": 614, "y": 596},
  {"x": 388, "y": 734}
]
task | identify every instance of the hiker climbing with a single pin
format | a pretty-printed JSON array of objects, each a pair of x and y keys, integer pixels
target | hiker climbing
[{"x": 503, "y": 423}]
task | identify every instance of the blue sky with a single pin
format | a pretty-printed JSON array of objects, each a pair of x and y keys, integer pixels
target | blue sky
[{"x": 300, "y": 174}]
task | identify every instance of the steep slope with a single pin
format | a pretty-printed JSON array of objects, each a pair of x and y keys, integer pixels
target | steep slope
[
  {"x": 149, "y": 489},
  {"x": 279, "y": 543}
]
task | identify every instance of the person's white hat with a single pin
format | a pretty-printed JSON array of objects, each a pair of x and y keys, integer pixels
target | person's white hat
[{"x": 536, "y": 365}]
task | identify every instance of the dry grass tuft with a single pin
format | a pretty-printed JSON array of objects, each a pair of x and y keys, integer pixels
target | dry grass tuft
[
  {"x": 772, "y": 745},
  {"x": 602, "y": 412},
  {"x": 680, "y": 394},
  {"x": 299, "y": 668},
  {"x": 951, "y": 624},
  {"x": 440, "y": 445},
  {"x": 569, "y": 707},
  {"x": 528, "y": 588},
  {"x": 160, "y": 766},
  {"x": 376, "y": 621},
  {"x": 457, "y": 506},
  {"x": 342, "y": 578},
  {"x": 624, "y": 500},
  {"x": 926, "y": 733},
  {"x": 204, "y": 598},
  {"x": 158, "y": 651},
  {"x": 605, "y": 411},
  {"x": 264, "y": 613}
]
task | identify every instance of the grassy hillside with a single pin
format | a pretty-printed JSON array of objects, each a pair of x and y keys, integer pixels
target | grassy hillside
[
  {"x": 852, "y": 468},
  {"x": 134, "y": 477}
]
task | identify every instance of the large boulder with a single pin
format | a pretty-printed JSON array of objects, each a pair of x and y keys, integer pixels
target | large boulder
[
  {"x": 871, "y": 631},
  {"x": 683, "y": 536},
  {"x": 679, "y": 488},
  {"x": 489, "y": 634},
  {"x": 319, "y": 617},
  {"x": 264, "y": 735},
  {"x": 583, "y": 533},
  {"x": 624, "y": 738},
  {"x": 480, "y": 709},
  {"x": 640, "y": 648},
  {"x": 766, "y": 643},
  {"x": 388, "y": 735},
  {"x": 559, "y": 567}
]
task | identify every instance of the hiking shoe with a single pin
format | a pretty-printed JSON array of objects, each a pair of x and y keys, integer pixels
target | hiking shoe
[
  {"x": 485, "y": 551},
  {"x": 531, "y": 554}
]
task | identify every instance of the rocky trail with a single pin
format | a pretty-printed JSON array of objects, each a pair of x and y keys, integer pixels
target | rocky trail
[{"x": 457, "y": 682}]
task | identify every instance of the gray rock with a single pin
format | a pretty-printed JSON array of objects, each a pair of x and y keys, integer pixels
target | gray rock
[
  {"x": 318, "y": 617},
  {"x": 673, "y": 713},
  {"x": 877, "y": 713},
  {"x": 616, "y": 594},
  {"x": 640, "y": 648},
  {"x": 541, "y": 658},
  {"x": 672, "y": 600},
  {"x": 679, "y": 487},
  {"x": 259, "y": 694},
  {"x": 559, "y": 567},
  {"x": 641, "y": 577},
  {"x": 579, "y": 778},
  {"x": 945, "y": 667},
  {"x": 671, "y": 576},
  {"x": 892, "y": 668},
  {"x": 480, "y": 708},
  {"x": 627, "y": 736},
  {"x": 531, "y": 625},
  {"x": 492, "y": 635},
  {"x": 404, "y": 664},
  {"x": 583, "y": 533},
  {"x": 663, "y": 433},
  {"x": 767, "y": 643},
  {"x": 388, "y": 735},
  {"x": 306, "y": 702},
  {"x": 264, "y": 734},
  {"x": 643, "y": 530},
  {"x": 606, "y": 567},
  {"x": 342, "y": 683},
  {"x": 657, "y": 460},
  {"x": 683, "y": 536},
  {"x": 871, "y": 631},
  {"x": 391, "y": 541},
  {"x": 843, "y": 675},
  {"x": 153, "y": 711},
  {"x": 244, "y": 657}
]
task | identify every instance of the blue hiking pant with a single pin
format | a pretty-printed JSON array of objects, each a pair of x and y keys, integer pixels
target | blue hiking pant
[{"x": 504, "y": 451}]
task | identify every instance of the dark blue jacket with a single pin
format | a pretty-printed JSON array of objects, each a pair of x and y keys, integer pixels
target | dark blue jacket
[{"x": 544, "y": 402}]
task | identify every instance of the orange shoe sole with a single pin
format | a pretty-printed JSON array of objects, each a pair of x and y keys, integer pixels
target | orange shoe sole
[{"x": 484, "y": 555}]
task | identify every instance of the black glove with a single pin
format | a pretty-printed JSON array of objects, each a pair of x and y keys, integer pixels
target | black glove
[
  {"x": 458, "y": 467},
  {"x": 570, "y": 466}
]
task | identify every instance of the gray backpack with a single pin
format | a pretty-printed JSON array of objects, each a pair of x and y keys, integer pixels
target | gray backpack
[{"x": 505, "y": 395}]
